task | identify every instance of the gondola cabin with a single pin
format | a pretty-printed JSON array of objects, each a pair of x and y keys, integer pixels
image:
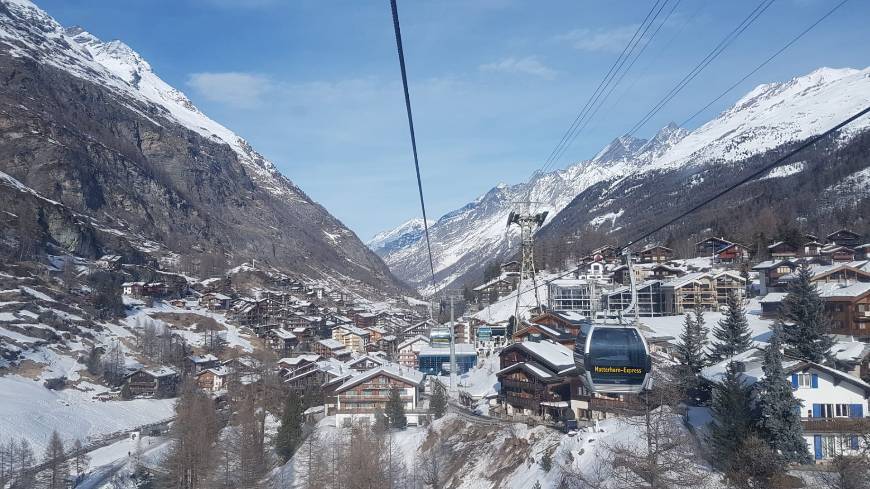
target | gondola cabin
[{"x": 616, "y": 359}]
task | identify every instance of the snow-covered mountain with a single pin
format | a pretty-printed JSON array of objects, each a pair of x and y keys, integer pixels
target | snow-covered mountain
[
  {"x": 90, "y": 125},
  {"x": 407, "y": 232},
  {"x": 768, "y": 117}
]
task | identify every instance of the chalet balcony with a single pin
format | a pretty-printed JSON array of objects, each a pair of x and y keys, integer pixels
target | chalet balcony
[{"x": 836, "y": 425}]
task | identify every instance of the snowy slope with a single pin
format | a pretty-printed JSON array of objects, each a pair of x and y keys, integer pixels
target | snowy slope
[
  {"x": 767, "y": 117},
  {"x": 407, "y": 232}
]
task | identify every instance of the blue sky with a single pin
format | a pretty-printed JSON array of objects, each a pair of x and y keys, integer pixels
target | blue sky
[{"x": 314, "y": 84}]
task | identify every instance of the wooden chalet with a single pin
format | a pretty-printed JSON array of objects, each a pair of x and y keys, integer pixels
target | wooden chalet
[
  {"x": 158, "y": 382},
  {"x": 689, "y": 292},
  {"x": 733, "y": 253},
  {"x": 531, "y": 331},
  {"x": 213, "y": 379},
  {"x": 214, "y": 301},
  {"x": 366, "y": 393},
  {"x": 844, "y": 237},
  {"x": 848, "y": 305},
  {"x": 782, "y": 251},
  {"x": 710, "y": 246},
  {"x": 409, "y": 350},
  {"x": 537, "y": 379},
  {"x": 811, "y": 248},
  {"x": 330, "y": 348},
  {"x": 289, "y": 364},
  {"x": 656, "y": 254},
  {"x": 281, "y": 340},
  {"x": 771, "y": 272},
  {"x": 248, "y": 312},
  {"x": 490, "y": 291},
  {"x": 838, "y": 253},
  {"x": 366, "y": 362},
  {"x": 422, "y": 328},
  {"x": 198, "y": 363}
]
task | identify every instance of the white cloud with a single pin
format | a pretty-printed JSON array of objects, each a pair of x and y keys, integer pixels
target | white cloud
[
  {"x": 613, "y": 39},
  {"x": 240, "y": 90},
  {"x": 530, "y": 65}
]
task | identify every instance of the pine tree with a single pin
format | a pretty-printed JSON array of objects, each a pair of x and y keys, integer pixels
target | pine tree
[
  {"x": 438, "y": 401},
  {"x": 57, "y": 468},
  {"x": 806, "y": 324},
  {"x": 780, "y": 423},
  {"x": 693, "y": 342},
  {"x": 382, "y": 423},
  {"x": 290, "y": 433},
  {"x": 396, "y": 409},
  {"x": 732, "y": 418},
  {"x": 732, "y": 334}
]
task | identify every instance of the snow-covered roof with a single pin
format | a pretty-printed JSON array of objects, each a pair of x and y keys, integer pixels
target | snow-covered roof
[
  {"x": 292, "y": 361},
  {"x": 555, "y": 354},
  {"x": 836, "y": 289},
  {"x": 283, "y": 334},
  {"x": 411, "y": 376},
  {"x": 159, "y": 371},
  {"x": 221, "y": 371},
  {"x": 678, "y": 282},
  {"x": 765, "y": 265},
  {"x": 208, "y": 357},
  {"x": 753, "y": 359},
  {"x": 379, "y": 361},
  {"x": 531, "y": 367},
  {"x": 412, "y": 340},
  {"x": 773, "y": 298},
  {"x": 850, "y": 351},
  {"x": 331, "y": 343},
  {"x": 353, "y": 329}
]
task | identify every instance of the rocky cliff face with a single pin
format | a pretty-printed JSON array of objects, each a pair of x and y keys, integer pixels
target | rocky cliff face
[{"x": 88, "y": 131}]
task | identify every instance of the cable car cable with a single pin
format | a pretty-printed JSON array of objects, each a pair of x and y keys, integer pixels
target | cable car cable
[
  {"x": 694, "y": 72},
  {"x": 765, "y": 62},
  {"x": 764, "y": 169},
  {"x": 596, "y": 108},
  {"x": 754, "y": 175},
  {"x": 398, "y": 31},
  {"x": 629, "y": 48}
]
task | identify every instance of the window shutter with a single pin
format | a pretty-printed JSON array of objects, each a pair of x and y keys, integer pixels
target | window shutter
[
  {"x": 817, "y": 410},
  {"x": 856, "y": 411},
  {"x": 815, "y": 381},
  {"x": 855, "y": 445},
  {"x": 817, "y": 444},
  {"x": 794, "y": 381}
]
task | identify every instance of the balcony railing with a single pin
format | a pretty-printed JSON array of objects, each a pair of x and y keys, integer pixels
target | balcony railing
[{"x": 836, "y": 425}]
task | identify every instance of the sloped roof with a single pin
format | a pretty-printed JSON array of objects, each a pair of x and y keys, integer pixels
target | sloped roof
[
  {"x": 411, "y": 376},
  {"x": 557, "y": 357}
]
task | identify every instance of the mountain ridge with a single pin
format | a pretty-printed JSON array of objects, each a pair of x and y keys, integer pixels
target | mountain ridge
[
  {"x": 88, "y": 124},
  {"x": 768, "y": 116}
]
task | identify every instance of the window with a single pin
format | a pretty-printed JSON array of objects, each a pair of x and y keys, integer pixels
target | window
[
  {"x": 841, "y": 410},
  {"x": 833, "y": 445},
  {"x": 805, "y": 380}
]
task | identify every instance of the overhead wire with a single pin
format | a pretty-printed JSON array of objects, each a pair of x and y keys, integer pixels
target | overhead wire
[
  {"x": 570, "y": 133},
  {"x": 398, "y": 31},
  {"x": 698, "y": 68},
  {"x": 613, "y": 86},
  {"x": 764, "y": 169},
  {"x": 765, "y": 62}
]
